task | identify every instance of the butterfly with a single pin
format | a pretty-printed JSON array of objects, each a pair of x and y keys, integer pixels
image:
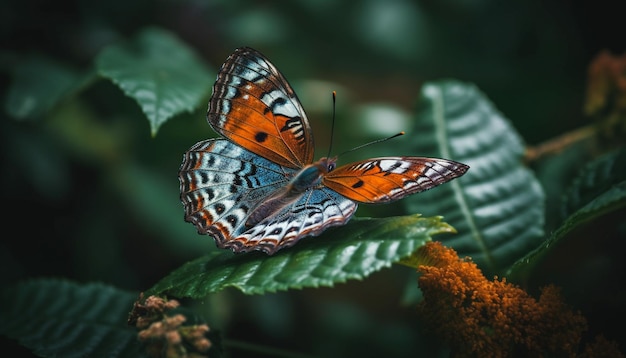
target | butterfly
[{"x": 259, "y": 188}]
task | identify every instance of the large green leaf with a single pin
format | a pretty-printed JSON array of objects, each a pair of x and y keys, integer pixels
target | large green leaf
[
  {"x": 58, "y": 318},
  {"x": 497, "y": 207},
  {"x": 599, "y": 189},
  {"x": 353, "y": 251},
  {"x": 159, "y": 71}
]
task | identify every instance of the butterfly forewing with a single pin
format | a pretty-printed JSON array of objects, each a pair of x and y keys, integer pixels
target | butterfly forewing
[
  {"x": 382, "y": 180},
  {"x": 254, "y": 106}
]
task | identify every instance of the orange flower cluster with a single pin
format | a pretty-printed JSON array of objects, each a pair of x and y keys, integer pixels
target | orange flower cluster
[
  {"x": 165, "y": 335},
  {"x": 478, "y": 317}
]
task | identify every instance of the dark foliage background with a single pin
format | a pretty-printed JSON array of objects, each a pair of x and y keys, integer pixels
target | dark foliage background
[{"x": 90, "y": 195}]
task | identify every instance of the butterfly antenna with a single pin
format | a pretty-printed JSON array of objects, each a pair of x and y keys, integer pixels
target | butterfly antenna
[
  {"x": 372, "y": 142},
  {"x": 332, "y": 133},
  {"x": 332, "y": 128}
]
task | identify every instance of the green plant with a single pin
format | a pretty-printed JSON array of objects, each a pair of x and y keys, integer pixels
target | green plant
[{"x": 495, "y": 214}]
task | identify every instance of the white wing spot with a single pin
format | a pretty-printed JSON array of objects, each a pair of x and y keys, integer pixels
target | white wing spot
[{"x": 394, "y": 166}]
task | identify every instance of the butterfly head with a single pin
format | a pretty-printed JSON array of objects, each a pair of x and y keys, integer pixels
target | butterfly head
[{"x": 326, "y": 165}]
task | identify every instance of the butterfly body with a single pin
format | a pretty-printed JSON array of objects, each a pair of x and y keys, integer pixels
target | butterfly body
[
  {"x": 310, "y": 177},
  {"x": 259, "y": 188}
]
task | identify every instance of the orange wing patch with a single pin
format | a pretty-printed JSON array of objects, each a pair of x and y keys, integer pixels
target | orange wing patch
[
  {"x": 254, "y": 106},
  {"x": 383, "y": 180}
]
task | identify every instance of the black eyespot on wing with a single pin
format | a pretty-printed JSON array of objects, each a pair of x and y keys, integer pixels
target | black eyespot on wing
[
  {"x": 260, "y": 137},
  {"x": 232, "y": 220}
]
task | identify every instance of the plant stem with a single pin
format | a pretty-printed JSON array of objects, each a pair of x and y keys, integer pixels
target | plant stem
[{"x": 557, "y": 144}]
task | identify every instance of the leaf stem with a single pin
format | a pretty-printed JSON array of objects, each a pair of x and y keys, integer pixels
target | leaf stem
[{"x": 557, "y": 144}]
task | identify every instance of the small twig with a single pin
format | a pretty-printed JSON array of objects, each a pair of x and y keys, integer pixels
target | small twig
[{"x": 556, "y": 145}]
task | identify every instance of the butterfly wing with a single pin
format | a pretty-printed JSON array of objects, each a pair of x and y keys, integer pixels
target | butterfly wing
[
  {"x": 221, "y": 183},
  {"x": 254, "y": 106},
  {"x": 315, "y": 211},
  {"x": 382, "y": 180}
]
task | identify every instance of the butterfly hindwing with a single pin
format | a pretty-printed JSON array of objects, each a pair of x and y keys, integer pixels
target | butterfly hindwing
[
  {"x": 254, "y": 106},
  {"x": 312, "y": 213},
  {"x": 382, "y": 180},
  {"x": 221, "y": 183}
]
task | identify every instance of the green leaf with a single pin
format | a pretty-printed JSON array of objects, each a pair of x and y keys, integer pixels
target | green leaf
[
  {"x": 60, "y": 318},
  {"x": 497, "y": 207},
  {"x": 39, "y": 83},
  {"x": 555, "y": 173},
  {"x": 353, "y": 251},
  {"x": 599, "y": 189},
  {"x": 595, "y": 179},
  {"x": 158, "y": 71}
]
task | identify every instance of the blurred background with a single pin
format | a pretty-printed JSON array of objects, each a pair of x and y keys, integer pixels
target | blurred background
[{"x": 90, "y": 195}]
